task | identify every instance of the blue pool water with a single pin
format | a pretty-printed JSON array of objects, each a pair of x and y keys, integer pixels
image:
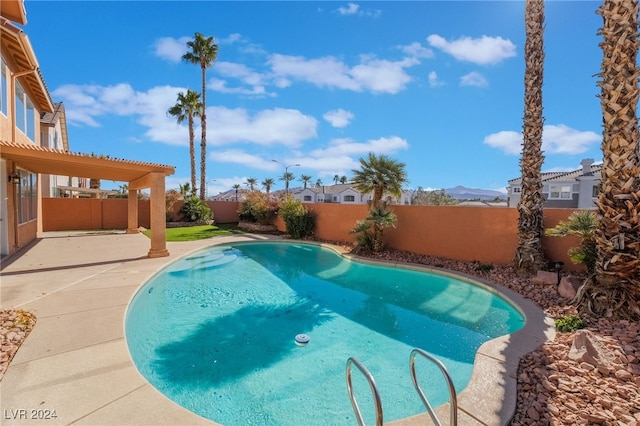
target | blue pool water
[{"x": 215, "y": 332}]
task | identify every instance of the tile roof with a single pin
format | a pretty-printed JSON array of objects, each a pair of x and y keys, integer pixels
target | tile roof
[{"x": 564, "y": 176}]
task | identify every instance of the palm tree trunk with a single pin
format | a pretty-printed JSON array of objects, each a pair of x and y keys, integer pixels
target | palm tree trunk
[
  {"x": 192, "y": 151},
  {"x": 615, "y": 289},
  {"x": 203, "y": 140},
  {"x": 529, "y": 256}
]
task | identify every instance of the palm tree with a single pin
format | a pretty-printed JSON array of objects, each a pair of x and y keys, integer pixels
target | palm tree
[
  {"x": 305, "y": 179},
  {"x": 188, "y": 106},
  {"x": 343, "y": 180},
  {"x": 185, "y": 189},
  {"x": 236, "y": 187},
  {"x": 251, "y": 183},
  {"x": 615, "y": 288},
  {"x": 287, "y": 177},
  {"x": 336, "y": 178},
  {"x": 380, "y": 175},
  {"x": 529, "y": 257},
  {"x": 582, "y": 224},
  {"x": 318, "y": 183},
  {"x": 267, "y": 184},
  {"x": 203, "y": 52},
  {"x": 381, "y": 217}
]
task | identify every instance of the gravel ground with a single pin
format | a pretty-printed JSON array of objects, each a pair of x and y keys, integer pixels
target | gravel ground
[{"x": 552, "y": 388}]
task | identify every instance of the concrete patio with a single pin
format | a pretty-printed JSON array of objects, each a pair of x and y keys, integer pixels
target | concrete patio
[{"x": 76, "y": 362}]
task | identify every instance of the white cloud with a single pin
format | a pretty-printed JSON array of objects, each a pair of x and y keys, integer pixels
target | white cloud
[
  {"x": 268, "y": 127},
  {"x": 238, "y": 156},
  {"x": 354, "y": 9},
  {"x": 170, "y": 48},
  {"x": 376, "y": 75},
  {"x": 417, "y": 50},
  {"x": 434, "y": 81},
  {"x": 351, "y": 9},
  {"x": 84, "y": 105},
  {"x": 556, "y": 139},
  {"x": 473, "y": 79},
  {"x": 338, "y": 117},
  {"x": 483, "y": 51}
]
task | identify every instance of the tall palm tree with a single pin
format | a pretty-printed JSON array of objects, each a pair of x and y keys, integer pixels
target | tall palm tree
[
  {"x": 318, "y": 183},
  {"x": 305, "y": 179},
  {"x": 204, "y": 52},
  {"x": 343, "y": 180},
  {"x": 336, "y": 179},
  {"x": 95, "y": 184},
  {"x": 187, "y": 107},
  {"x": 615, "y": 288},
  {"x": 236, "y": 187},
  {"x": 251, "y": 183},
  {"x": 529, "y": 257},
  {"x": 380, "y": 175},
  {"x": 287, "y": 177},
  {"x": 267, "y": 184}
]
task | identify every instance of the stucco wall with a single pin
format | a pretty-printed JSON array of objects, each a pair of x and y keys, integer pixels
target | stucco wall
[{"x": 484, "y": 234}]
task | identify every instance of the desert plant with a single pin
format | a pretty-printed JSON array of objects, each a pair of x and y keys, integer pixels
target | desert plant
[
  {"x": 583, "y": 224},
  {"x": 380, "y": 217},
  {"x": 171, "y": 198},
  {"x": 257, "y": 207},
  {"x": 570, "y": 322},
  {"x": 195, "y": 210},
  {"x": 299, "y": 220}
]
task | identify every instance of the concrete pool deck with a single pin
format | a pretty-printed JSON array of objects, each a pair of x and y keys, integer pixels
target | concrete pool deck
[{"x": 76, "y": 361}]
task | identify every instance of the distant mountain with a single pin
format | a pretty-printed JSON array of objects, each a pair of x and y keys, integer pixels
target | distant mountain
[{"x": 463, "y": 193}]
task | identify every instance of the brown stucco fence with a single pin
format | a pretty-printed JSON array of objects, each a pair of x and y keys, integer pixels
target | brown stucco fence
[{"x": 483, "y": 234}]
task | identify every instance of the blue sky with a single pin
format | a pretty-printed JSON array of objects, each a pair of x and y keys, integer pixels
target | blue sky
[{"x": 437, "y": 85}]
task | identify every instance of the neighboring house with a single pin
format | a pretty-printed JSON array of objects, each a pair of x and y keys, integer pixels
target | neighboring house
[
  {"x": 343, "y": 194},
  {"x": 53, "y": 134},
  {"x": 26, "y": 155},
  {"x": 577, "y": 189}
]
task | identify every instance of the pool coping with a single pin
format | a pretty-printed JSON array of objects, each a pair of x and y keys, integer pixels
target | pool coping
[{"x": 76, "y": 360}]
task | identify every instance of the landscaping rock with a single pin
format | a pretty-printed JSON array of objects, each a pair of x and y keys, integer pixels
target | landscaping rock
[
  {"x": 545, "y": 278},
  {"x": 569, "y": 286},
  {"x": 587, "y": 348}
]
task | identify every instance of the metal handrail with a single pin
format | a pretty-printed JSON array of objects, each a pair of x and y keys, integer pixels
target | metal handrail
[
  {"x": 453, "y": 403},
  {"x": 374, "y": 390}
]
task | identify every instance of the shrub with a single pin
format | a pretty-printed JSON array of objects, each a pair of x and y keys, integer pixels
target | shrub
[
  {"x": 570, "y": 322},
  {"x": 171, "y": 198},
  {"x": 582, "y": 224},
  {"x": 195, "y": 210},
  {"x": 300, "y": 221},
  {"x": 257, "y": 207}
]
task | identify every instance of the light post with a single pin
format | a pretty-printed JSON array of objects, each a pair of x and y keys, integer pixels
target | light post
[{"x": 286, "y": 174}]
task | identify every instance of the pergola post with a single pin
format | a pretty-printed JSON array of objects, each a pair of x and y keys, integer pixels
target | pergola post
[
  {"x": 132, "y": 212},
  {"x": 158, "y": 217}
]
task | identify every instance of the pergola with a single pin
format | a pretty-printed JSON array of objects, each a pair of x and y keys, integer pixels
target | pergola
[{"x": 137, "y": 175}]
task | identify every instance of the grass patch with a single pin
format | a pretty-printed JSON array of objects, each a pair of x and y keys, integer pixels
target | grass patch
[{"x": 193, "y": 233}]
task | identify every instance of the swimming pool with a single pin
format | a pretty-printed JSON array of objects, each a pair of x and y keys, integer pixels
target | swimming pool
[{"x": 215, "y": 332}]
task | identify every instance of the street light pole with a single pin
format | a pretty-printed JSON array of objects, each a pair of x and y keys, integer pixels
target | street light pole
[{"x": 286, "y": 174}]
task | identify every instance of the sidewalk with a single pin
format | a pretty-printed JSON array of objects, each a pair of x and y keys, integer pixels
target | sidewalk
[{"x": 75, "y": 363}]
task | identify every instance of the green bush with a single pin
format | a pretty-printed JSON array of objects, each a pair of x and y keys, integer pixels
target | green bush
[
  {"x": 195, "y": 210},
  {"x": 257, "y": 207},
  {"x": 299, "y": 221},
  {"x": 569, "y": 323}
]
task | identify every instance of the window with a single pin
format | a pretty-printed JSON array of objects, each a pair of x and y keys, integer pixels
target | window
[
  {"x": 307, "y": 198},
  {"x": 27, "y": 191},
  {"x": 25, "y": 113},
  {"x": 349, "y": 198},
  {"x": 516, "y": 190},
  {"x": 560, "y": 192},
  {"x": 595, "y": 191},
  {"x": 3, "y": 87}
]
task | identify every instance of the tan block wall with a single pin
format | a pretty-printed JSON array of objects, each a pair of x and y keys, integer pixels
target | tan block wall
[{"x": 488, "y": 235}]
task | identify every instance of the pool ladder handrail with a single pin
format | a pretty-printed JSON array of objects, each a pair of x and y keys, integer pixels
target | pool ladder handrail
[
  {"x": 374, "y": 390},
  {"x": 453, "y": 401}
]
